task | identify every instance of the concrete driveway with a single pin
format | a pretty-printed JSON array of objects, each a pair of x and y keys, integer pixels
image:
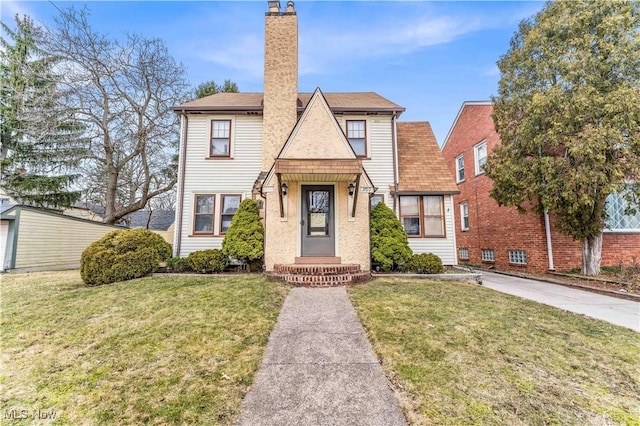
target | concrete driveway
[{"x": 616, "y": 311}]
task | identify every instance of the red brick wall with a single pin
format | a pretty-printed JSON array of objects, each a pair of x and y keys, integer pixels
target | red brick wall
[{"x": 503, "y": 229}]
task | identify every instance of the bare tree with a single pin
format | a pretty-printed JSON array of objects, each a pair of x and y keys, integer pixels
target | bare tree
[{"x": 122, "y": 92}]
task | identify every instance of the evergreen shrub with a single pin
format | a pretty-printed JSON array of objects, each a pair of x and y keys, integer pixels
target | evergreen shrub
[
  {"x": 389, "y": 243},
  {"x": 178, "y": 264},
  {"x": 123, "y": 255},
  {"x": 207, "y": 261},
  {"x": 244, "y": 239},
  {"x": 424, "y": 263}
]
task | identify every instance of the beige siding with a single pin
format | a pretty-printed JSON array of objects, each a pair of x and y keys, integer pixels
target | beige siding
[
  {"x": 47, "y": 241},
  {"x": 219, "y": 176},
  {"x": 445, "y": 248}
]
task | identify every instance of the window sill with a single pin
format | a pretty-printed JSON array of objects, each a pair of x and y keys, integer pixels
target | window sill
[
  {"x": 219, "y": 158},
  {"x": 465, "y": 230},
  {"x": 426, "y": 236},
  {"x": 203, "y": 235},
  {"x": 460, "y": 181}
]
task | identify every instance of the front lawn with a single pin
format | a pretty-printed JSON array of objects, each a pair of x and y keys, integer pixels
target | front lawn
[
  {"x": 176, "y": 350},
  {"x": 463, "y": 354}
]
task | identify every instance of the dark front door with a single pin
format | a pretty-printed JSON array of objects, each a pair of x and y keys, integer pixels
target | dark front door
[{"x": 318, "y": 235}]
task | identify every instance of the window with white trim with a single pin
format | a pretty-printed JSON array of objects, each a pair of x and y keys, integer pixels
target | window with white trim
[
  {"x": 480, "y": 154},
  {"x": 488, "y": 255},
  {"x": 618, "y": 220},
  {"x": 460, "y": 168},
  {"x": 463, "y": 253},
  {"x": 464, "y": 216},
  {"x": 518, "y": 257}
]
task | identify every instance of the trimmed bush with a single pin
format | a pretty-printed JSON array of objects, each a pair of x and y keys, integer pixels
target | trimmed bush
[
  {"x": 178, "y": 264},
  {"x": 425, "y": 263},
  {"x": 244, "y": 240},
  {"x": 207, "y": 261},
  {"x": 123, "y": 255},
  {"x": 389, "y": 243}
]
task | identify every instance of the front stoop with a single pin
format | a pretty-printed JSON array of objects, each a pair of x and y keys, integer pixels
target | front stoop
[{"x": 319, "y": 275}]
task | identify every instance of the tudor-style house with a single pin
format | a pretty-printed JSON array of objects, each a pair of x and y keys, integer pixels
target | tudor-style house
[
  {"x": 500, "y": 237},
  {"x": 314, "y": 162}
]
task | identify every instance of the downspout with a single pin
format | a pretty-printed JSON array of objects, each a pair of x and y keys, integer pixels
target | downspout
[
  {"x": 181, "y": 172},
  {"x": 395, "y": 161},
  {"x": 547, "y": 229}
]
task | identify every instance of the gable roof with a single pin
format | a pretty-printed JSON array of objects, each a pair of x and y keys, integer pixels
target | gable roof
[
  {"x": 455, "y": 121},
  {"x": 421, "y": 165},
  {"x": 338, "y": 102},
  {"x": 317, "y": 122}
]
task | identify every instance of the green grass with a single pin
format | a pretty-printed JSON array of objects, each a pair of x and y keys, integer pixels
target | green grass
[
  {"x": 462, "y": 354},
  {"x": 176, "y": 350}
]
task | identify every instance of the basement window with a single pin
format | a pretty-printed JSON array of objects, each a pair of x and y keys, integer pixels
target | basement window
[
  {"x": 463, "y": 253},
  {"x": 518, "y": 257},
  {"x": 488, "y": 255}
]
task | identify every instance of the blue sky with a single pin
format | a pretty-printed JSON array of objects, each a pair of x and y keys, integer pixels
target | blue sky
[{"x": 426, "y": 56}]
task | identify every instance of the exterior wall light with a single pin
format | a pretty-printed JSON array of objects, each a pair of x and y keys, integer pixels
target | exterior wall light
[
  {"x": 284, "y": 188},
  {"x": 352, "y": 188}
]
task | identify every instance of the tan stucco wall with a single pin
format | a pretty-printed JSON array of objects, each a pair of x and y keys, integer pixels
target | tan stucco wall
[
  {"x": 280, "y": 83},
  {"x": 281, "y": 238},
  {"x": 353, "y": 235},
  {"x": 318, "y": 135},
  {"x": 281, "y": 242}
]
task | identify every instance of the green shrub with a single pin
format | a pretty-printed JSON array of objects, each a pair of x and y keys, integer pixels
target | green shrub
[
  {"x": 178, "y": 264},
  {"x": 389, "y": 243},
  {"x": 123, "y": 255},
  {"x": 244, "y": 240},
  {"x": 213, "y": 260},
  {"x": 425, "y": 263}
]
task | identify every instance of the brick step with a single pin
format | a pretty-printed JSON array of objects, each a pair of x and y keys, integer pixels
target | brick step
[
  {"x": 326, "y": 269},
  {"x": 319, "y": 275}
]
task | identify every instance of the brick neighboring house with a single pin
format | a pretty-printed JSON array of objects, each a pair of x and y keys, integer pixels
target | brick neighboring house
[
  {"x": 501, "y": 237},
  {"x": 314, "y": 162}
]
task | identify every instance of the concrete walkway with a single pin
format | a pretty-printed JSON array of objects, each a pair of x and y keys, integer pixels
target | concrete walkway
[
  {"x": 319, "y": 368},
  {"x": 616, "y": 311}
]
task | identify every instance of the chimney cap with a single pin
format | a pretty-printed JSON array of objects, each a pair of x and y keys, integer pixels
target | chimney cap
[
  {"x": 290, "y": 6},
  {"x": 274, "y": 5}
]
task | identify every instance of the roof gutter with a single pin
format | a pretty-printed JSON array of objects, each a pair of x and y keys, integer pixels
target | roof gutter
[
  {"x": 177, "y": 237},
  {"x": 394, "y": 147}
]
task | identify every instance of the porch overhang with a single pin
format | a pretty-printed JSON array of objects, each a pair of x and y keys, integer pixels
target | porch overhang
[{"x": 318, "y": 170}]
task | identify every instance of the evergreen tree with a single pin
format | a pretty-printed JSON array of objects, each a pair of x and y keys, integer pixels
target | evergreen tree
[
  {"x": 40, "y": 143},
  {"x": 210, "y": 88},
  {"x": 244, "y": 239},
  {"x": 389, "y": 242}
]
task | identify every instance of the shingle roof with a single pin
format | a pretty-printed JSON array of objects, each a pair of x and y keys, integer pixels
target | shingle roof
[
  {"x": 421, "y": 165},
  {"x": 161, "y": 220},
  {"x": 339, "y": 102}
]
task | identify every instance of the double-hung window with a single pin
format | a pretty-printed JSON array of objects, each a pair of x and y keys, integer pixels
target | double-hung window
[
  {"x": 229, "y": 207},
  {"x": 460, "y": 168},
  {"x": 220, "y": 138},
  {"x": 480, "y": 151},
  {"x": 203, "y": 214},
  {"x": 376, "y": 199},
  {"x": 422, "y": 216},
  {"x": 464, "y": 216},
  {"x": 357, "y": 136}
]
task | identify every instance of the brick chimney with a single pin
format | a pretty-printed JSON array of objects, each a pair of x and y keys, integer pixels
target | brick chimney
[{"x": 280, "y": 79}]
